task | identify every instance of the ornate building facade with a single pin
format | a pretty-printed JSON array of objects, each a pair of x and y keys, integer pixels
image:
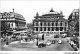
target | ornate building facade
[
  {"x": 73, "y": 23},
  {"x": 51, "y": 22},
  {"x": 14, "y": 21}
]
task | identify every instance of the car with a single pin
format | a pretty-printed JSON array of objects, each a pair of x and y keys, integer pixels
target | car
[
  {"x": 13, "y": 37},
  {"x": 64, "y": 35},
  {"x": 60, "y": 41},
  {"x": 56, "y": 36},
  {"x": 2, "y": 39},
  {"x": 48, "y": 43},
  {"x": 41, "y": 45},
  {"x": 53, "y": 41}
]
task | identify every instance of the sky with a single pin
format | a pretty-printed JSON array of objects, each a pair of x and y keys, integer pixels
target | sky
[{"x": 29, "y": 8}]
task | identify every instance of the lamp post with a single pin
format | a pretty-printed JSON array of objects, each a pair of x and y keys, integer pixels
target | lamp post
[
  {"x": 37, "y": 40},
  {"x": 7, "y": 39}
]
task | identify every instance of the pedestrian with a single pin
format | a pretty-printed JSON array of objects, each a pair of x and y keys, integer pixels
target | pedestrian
[
  {"x": 43, "y": 37},
  {"x": 7, "y": 43}
]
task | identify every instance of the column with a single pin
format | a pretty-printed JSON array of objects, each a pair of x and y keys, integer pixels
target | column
[
  {"x": 34, "y": 23},
  {"x": 47, "y": 23},
  {"x": 14, "y": 25},
  {"x": 46, "y": 28},
  {"x": 42, "y": 28},
  {"x": 54, "y": 29},
  {"x": 63, "y": 29},
  {"x": 42, "y": 23},
  {"x": 50, "y": 28},
  {"x": 54, "y": 23},
  {"x": 11, "y": 25},
  {"x": 58, "y": 23},
  {"x": 51, "y": 24},
  {"x": 63, "y": 23},
  {"x": 34, "y": 29},
  {"x": 39, "y": 23}
]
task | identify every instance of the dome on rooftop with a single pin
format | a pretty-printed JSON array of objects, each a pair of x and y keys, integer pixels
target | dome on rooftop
[{"x": 52, "y": 12}]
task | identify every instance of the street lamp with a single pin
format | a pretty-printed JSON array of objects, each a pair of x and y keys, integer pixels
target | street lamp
[
  {"x": 7, "y": 39},
  {"x": 37, "y": 40}
]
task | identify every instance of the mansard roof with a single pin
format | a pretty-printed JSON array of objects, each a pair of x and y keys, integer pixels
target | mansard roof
[
  {"x": 11, "y": 14},
  {"x": 47, "y": 19}
]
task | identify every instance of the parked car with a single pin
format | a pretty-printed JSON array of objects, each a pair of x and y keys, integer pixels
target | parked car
[
  {"x": 13, "y": 38},
  {"x": 41, "y": 45},
  {"x": 60, "y": 41},
  {"x": 1, "y": 39},
  {"x": 48, "y": 43},
  {"x": 53, "y": 41},
  {"x": 64, "y": 35},
  {"x": 56, "y": 36}
]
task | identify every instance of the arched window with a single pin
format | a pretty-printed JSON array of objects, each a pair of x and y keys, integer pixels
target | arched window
[
  {"x": 61, "y": 28},
  {"x": 40, "y": 28},
  {"x": 48, "y": 23},
  {"x": 36, "y": 28},
  {"x": 60, "y": 23},
  {"x": 48, "y": 28},
  {"x": 56, "y": 23},
  {"x": 52, "y": 23},
  {"x": 44, "y": 28},
  {"x": 36, "y": 23},
  {"x": 52, "y": 28},
  {"x": 57, "y": 29},
  {"x": 44, "y": 23},
  {"x": 41, "y": 24}
]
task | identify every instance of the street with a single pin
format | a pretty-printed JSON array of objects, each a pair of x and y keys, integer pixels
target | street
[{"x": 53, "y": 47}]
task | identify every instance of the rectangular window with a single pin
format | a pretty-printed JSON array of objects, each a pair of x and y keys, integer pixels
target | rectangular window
[
  {"x": 44, "y": 23},
  {"x": 48, "y": 28},
  {"x": 48, "y": 23},
  {"x": 65, "y": 28},
  {"x": 61, "y": 28},
  {"x": 65, "y": 24},
  {"x": 40, "y": 28},
  {"x": 36, "y": 28},
  {"x": 57, "y": 29},
  {"x": 52, "y": 28}
]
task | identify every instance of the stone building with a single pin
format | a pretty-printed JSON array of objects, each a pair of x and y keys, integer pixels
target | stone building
[
  {"x": 14, "y": 21},
  {"x": 73, "y": 22},
  {"x": 51, "y": 22}
]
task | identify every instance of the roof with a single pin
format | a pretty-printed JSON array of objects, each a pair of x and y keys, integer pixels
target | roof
[
  {"x": 48, "y": 19},
  {"x": 11, "y": 14},
  {"x": 75, "y": 10},
  {"x": 51, "y": 13}
]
